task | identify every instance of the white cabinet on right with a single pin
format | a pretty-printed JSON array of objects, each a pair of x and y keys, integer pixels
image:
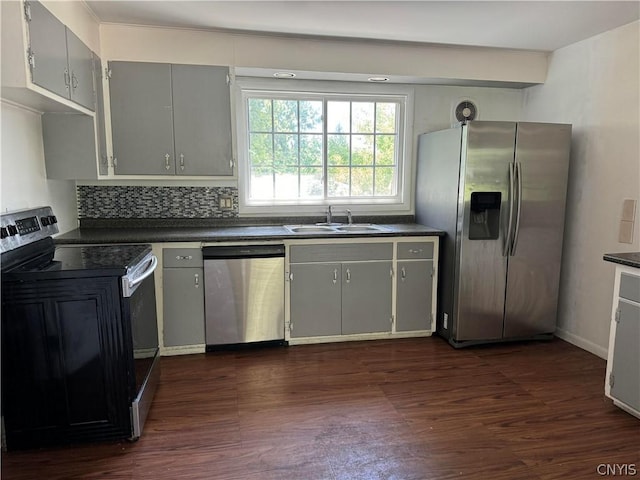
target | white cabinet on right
[{"x": 623, "y": 362}]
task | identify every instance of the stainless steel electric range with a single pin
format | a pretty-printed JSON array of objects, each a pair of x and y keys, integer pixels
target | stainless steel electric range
[{"x": 79, "y": 336}]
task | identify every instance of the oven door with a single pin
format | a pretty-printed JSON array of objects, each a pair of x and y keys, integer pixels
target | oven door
[{"x": 140, "y": 308}]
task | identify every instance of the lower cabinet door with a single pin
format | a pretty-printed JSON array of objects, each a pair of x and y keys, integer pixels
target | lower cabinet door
[
  {"x": 413, "y": 301},
  {"x": 315, "y": 300},
  {"x": 626, "y": 357},
  {"x": 183, "y": 311},
  {"x": 366, "y": 297}
]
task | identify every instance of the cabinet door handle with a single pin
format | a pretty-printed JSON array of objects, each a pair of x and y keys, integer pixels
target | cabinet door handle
[
  {"x": 403, "y": 274},
  {"x": 67, "y": 81},
  {"x": 182, "y": 161},
  {"x": 74, "y": 80},
  {"x": 335, "y": 275},
  {"x": 115, "y": 162},
  {"x": 348, "y": 275},
  {"x": 166, "y": 161},
  {"x": 184, "y": 257},
  {"x": 197, "y": 280}
]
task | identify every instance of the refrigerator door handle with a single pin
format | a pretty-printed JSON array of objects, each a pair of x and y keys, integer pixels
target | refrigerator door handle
[
  {"x": 516, "y": 230},
  {"x": 507, "y": 241}
]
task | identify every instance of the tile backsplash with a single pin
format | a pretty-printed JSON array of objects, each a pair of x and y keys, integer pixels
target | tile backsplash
[{"x": 97, "y": 201}]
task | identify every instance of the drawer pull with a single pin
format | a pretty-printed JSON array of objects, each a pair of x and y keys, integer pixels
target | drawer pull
[
  {"x": 415, "y": 250},
  {"x": 184, "y": 257}
]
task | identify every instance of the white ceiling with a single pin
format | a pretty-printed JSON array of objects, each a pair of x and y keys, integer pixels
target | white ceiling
[{"x": 531, "y": 25}]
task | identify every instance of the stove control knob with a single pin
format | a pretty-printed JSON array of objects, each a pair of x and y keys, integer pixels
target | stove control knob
[
  {"x": 4, "y": 233},
  {"x": 53, "y": 219},
  {"x": 12, "y": 229},
  {"x": 45, "y": 221}
]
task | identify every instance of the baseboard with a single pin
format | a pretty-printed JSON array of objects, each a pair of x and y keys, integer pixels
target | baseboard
[{"x": 582, "y": 343}]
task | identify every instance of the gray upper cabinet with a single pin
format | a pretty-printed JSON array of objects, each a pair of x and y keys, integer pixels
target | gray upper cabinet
[
  {"x": 59, "y": 61},
  {"x": 141, "y": 118},
  {"x": 103, "y": 160},
  {"x": 153, "y": 104},
  {"x": 201, "y": 120}
]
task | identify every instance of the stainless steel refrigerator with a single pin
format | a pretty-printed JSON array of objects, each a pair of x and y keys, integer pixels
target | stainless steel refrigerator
[{"x": 498, "y": 189}]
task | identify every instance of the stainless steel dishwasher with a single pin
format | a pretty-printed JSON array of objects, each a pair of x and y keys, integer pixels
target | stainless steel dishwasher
[{"x": 244, "y": 295}]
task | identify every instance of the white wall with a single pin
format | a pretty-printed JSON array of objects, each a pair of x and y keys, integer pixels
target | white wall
[
  {"x": 594, "y": 85},
  {"x": 23, "y": 183}
]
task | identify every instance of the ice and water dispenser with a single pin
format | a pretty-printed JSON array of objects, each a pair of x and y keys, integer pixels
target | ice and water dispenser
[{"x": 484, "y": 221}]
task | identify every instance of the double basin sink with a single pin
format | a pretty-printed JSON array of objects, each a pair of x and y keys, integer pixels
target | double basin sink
[{"x": 336, "y": 228}]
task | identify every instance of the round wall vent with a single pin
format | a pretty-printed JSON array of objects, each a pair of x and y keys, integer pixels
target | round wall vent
[{"x": 466, "y": 111}]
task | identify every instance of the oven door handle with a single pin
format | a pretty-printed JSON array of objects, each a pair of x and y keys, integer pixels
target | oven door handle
[{"x": 129, "y": 286}]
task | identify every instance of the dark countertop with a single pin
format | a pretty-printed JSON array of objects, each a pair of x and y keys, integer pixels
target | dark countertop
[
  {"x": 631, "y": 259},
  {"x": 224, "y": 234}
]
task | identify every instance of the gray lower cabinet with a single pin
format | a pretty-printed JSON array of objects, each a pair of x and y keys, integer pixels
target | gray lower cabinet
[
  {"x": 366, "y": 297},
  {"x": 60, "y": 62},
  {"x": 623, "y": 362},
  {"x": 316, "y": 300},
  {"x": 183, "y": 297},
  {"x": 170, "y": 119},
  {"x": 414, "y": 286},
  {"x": 340, "y": 289}
]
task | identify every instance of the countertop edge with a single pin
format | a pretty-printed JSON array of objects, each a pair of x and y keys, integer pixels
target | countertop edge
[{"x": 630, "y": 259}]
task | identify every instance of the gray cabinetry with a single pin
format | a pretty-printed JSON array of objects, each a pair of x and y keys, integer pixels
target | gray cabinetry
[
  {"x": 414, "y": 286},
  {"x": 58, "y": 59},
  {"x": 183, "y": 297},
  {"x": 154, "y": 105},
  {"x": 340, "y": 289},
  {"x": 623, "y": 363},
  {"x": 316, "y": 300},
  {"x": 103, "y": 159},
  {"x": 366, "y": 297}
]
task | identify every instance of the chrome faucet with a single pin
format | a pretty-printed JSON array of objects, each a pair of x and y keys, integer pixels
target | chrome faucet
[
  {"x": 349, "y": 217},
  {"x": 329, "y": 214}
]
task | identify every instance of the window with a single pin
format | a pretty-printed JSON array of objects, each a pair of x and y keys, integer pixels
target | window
[{"x": 319, "y": 147}]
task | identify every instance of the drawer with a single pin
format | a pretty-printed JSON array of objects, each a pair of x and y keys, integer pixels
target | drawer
[
  {"x": 181, "y": 257},
  {"x": 408, "y": 250},
  {"x": 630, "y": 287},
  {"x": 341, "y": 252}
]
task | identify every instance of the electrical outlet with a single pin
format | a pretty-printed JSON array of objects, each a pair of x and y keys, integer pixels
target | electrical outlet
[
  {"x": 625, "y": 235},
  {"x": 226, "y": 203},
  {"x": 446, "y": 321}
]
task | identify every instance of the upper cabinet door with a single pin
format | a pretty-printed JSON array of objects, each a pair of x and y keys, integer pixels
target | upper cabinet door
[
  {"x": 103, "y": 162},
  {"x": 202, "y": 120},
  {"x": 48, "y": 45},
  {"x": 141, "y": 118},
  {"x": 80, "y": 71}
]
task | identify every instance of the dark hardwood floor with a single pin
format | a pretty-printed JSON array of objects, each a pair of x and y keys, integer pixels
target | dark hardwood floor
[{"x": 399, "y": 409}]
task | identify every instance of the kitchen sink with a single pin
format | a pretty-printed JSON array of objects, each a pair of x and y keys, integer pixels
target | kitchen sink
[
  {"x": 336, "y": 228},
  {"x": 360, "y": 228},
  {"x": 309, "y": 228}
]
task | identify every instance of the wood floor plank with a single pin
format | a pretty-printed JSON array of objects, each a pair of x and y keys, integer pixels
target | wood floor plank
[{"x": 410, "y": 409}]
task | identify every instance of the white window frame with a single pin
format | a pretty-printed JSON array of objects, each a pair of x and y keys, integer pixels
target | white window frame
[{"x": 247, "y": 87}]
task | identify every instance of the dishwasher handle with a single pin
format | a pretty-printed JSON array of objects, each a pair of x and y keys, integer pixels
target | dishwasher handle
[{"x": 243, "y": 251}]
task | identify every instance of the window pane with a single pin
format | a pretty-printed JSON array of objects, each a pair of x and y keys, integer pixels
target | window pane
[
  {"x": 338, "y": 181},
  {"x": 361, "y": 182},
  {"x": 338, "y": 117},
  {"x": 260, "y": 115},
  {"x": 385, "y": 149},
  {"x": 285, "y": 115},
  {"x": 311, "y": 150},
  {"x": 285, "y": 149},
  {"x": 261, "y": 183},
  {"x": 386, "y": 117},
  {"x": 260, "y": 149},
  {"x": 385, "y": 181},
  {"x": 362, "y": 150},
  {"x": 311, "y": 116},
  {"x": 338, "y": 149},
  {"x": 287, "y": 183},
  {"x": 311, "y": 182},
  {"x": 362, "y": 117}
]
